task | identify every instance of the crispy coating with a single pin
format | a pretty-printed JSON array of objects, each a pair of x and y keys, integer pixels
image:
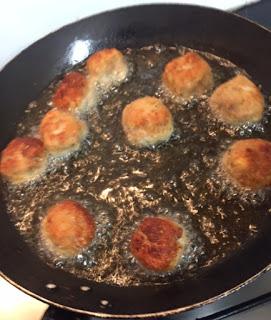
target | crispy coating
[
  {"x": 156, "y": 243},
  {"x": 248, "y": 163},
  {"x": 108, "y": 67},
  {"x": 237, "y": 101},
  {"x": 68, "y": 228},
  {"x": 147, "y": 121},
  {"x": 75, "y": 93},
  {"x": 61, "y": 131},
  {"x": 70, "y": 91},
  {"x": 23, "y": 159},
  {"x": 188, "y": 75}
]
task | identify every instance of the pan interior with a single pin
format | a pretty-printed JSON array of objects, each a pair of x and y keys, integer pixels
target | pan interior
[{"x": 120, "y": 184}]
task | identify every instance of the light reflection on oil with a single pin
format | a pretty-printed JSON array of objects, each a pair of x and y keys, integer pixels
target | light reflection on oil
[
  {"x": 79, "y": 50},
  {"x": 121, "y": 185}
]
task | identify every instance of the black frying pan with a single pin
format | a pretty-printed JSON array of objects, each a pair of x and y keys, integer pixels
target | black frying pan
[{"x": 224, "y": 34}]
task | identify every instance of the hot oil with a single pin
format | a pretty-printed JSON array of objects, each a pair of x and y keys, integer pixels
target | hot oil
[{"x": 120, "y": 185}]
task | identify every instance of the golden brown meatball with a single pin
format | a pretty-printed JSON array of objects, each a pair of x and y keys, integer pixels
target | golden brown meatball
[
  {"x": 75, "y": 93},
  {"x": 187, "y": 76},
  {"x": 156, "y": 243},
  {"x": 237, "y": 101},
  {"x": 108, "y": 67},
  {"x": 68, "y": 228},
  {"x": 147, "y": 121},
  {"x": 248, "y": 163},
  {"x": 61, "y": 131},
  {"x": 23, "y": 159}
]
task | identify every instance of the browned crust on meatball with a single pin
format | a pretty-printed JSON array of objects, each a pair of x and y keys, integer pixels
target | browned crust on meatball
[
  {"x": 155, "y": 243},
  {"x": 237, "y": 101},
  {"x": 68, "y": 228},
  {"x": 23, "y": 159},
  {"x": 107, "y": 66},
  {"x": 71, "y": 91},
  {"x": 188, "y": 75},
  {"x": 61, "y": 131},
  {"x": 147, "y": 121},
  {"x": 248, "y": 163}
]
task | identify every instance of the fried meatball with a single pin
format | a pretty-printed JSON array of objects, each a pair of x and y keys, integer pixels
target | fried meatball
[
  {"x": 61, "y": 131},
  {"x": 248, "y": 163},
  {"x": 108, "y": 67},
  {"x": 23, "y": 159},
  {"x": 237, "y": 101},
  {"x": 156, "y": 243},
  {"x": 147, "y": 121},
  {"x": 76, "y": 92},
  {"x": 187, "y": 76},
  {"x": 67, "y": 228}
]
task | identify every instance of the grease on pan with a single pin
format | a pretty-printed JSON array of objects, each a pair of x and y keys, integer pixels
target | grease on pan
[{"x": 130, "y": 184}]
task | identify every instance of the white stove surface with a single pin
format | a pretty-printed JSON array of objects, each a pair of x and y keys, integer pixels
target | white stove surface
[
  {"x": 24, "y": 22},
  {"x": 16, "y": 305}
]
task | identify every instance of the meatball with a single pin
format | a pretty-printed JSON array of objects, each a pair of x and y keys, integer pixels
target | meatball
[
  {"x": 61, "y": 131},
  {"x": 237, "y": 101},
  {"x": 147, "y": 121},
  {"x": 76, "y": 92},
  {"x": 23, "y": 159},
  {"x": 187, "y": 76},
  {"x": 248, "y": 163},
  {"x": 157, "y": 244},
  {"x": 108, "y": 67},
  {"x": 67, "y": 228}
]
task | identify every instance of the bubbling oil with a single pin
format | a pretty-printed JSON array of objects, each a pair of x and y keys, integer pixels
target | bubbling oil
[{"x": 120, "y": 185}]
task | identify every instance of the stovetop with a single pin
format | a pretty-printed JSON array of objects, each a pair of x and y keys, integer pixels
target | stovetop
[{"x": 259, "y": 12}]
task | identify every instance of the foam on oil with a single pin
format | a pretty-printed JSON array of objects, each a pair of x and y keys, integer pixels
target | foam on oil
[{"x": 120, "y": 185}]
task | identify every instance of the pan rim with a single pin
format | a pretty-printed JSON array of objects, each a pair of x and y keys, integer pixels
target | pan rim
[
  {"x": 161, "y": 313},
  {"x": 152, "y": 4},
  {"x": 140, "y": 315}
]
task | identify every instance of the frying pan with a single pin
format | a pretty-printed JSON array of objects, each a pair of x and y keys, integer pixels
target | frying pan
[{"x": 22, "y": 80}]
